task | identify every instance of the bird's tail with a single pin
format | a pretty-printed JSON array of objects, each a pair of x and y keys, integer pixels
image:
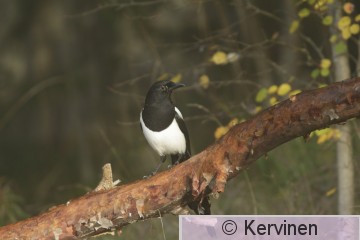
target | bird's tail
[
  {"x": 179, "y": 158},
  {"x": 201, "y": 206}
]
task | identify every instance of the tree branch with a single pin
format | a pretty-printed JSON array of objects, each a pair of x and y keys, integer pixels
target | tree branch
[{"x": 169, "y": 191}]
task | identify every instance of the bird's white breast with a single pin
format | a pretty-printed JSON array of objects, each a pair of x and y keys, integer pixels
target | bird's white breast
[{"x": 169, "y": 141}]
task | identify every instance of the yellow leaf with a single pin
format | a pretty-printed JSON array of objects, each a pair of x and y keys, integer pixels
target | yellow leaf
[
  {"x": 344, "y": 22},
  {"x": 272, "y": 89},
  {"x": 284, "y": 89},
  {"x": 261, "y": 95},
  {"x": 294, "y": 92},
  {"x": 303, "y": 13},
  {"x": 327, "y": 134},
  {"x": 321, "y": 85},
  {"x": 345, "y": 33},
  {"x": 273, "y": 101},
  {"x": 258, "y": 109},
  {"x": 331, "y": 192},
  {"x": 220, "y": 131},
  {"x": 357, "y": 18},
  {"x": 294, "y": 26},
  {"x": 354, "y": 29},
  {"x": 348, "y": 7},
  {"x": 163, "y": 76},
  {"x": 321, "y": 5},
  {"x": 204, "y": 81},
  {"x": 177, "y": 78},
  {"x": 233, "y": 122},
  {"x": 219, "y": 58},
  {"x": 325, "y": 63},
  {"x": 333, "y": 39},
  {"x": 322, "y": 138}
]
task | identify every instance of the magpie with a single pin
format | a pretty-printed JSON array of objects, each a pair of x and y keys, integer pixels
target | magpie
[
  {"x": 163, "y": 125},
  {"x": 164, "y": 129}
]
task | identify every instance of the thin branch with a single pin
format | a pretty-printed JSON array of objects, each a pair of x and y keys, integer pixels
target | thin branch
[
  {"x": 117, "y": 6},
  {"x": 27, "y": 96}
]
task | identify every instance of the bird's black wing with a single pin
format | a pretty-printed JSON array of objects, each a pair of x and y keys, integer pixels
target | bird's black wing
[
  {"x": 182, "y": 126},
  {"x": 201, "y": 206}
]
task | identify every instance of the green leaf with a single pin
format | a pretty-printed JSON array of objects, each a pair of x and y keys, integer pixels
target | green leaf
[
  {"x": 333, "y": 38},
  {"x": 294, "y": 26},
  {"x": 311, "y": 2},
  {"x": 315, "y": 73},
  {"x": 261, "y": 95},
  {"x": 324, "y": 72},
  {"x": 340, "y": 47},
  {"x": 327, "y": 21},
  {"x": 303, "y": 13}
]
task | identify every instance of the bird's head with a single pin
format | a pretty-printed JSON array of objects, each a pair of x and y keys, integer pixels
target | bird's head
[{"x": 161, "y": 91}]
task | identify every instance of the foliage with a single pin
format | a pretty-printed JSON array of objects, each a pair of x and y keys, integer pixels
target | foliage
[
  {"x": 235, "y": 57},
  {"x": 10, "y": 204}
]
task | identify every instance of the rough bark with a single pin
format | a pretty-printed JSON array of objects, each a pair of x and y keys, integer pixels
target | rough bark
[{"x": 169, "y": 191}]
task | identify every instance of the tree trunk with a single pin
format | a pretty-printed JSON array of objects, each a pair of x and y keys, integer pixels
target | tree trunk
[{"x": 344, "y": 148}]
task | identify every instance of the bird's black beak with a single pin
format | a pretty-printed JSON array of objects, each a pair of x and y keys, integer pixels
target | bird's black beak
[{"x": 172, "y": 86}]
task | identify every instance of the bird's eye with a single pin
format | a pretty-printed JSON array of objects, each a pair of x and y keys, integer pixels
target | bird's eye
[{"x": 164, "y": 88}]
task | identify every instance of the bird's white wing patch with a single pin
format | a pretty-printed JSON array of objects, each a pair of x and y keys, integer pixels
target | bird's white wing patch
[{"x": 178, "y": 112}]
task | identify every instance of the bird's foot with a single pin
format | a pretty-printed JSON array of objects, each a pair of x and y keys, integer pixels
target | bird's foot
[
  {"x": 172, "y": 165},
  {"x": 150, "y": 175}
]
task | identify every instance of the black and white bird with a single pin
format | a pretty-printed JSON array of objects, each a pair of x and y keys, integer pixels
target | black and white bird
[
  {"x": 163, "y": 125},
  {"x": 164, "y": 128}
]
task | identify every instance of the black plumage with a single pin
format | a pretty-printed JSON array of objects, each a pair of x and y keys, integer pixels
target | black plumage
[{"x": 165, "y": 130}]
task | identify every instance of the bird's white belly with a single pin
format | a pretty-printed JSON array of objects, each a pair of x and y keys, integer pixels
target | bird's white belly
[{"x": 169, "y": 141}]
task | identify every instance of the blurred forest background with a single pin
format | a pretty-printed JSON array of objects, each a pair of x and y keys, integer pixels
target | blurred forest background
[{"x": 74, "y": 74}]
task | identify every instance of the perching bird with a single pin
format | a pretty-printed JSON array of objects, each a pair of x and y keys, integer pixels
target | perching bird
[
  {"x": 165, "y": 130},
  {"x": 163, "y": 125}
]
